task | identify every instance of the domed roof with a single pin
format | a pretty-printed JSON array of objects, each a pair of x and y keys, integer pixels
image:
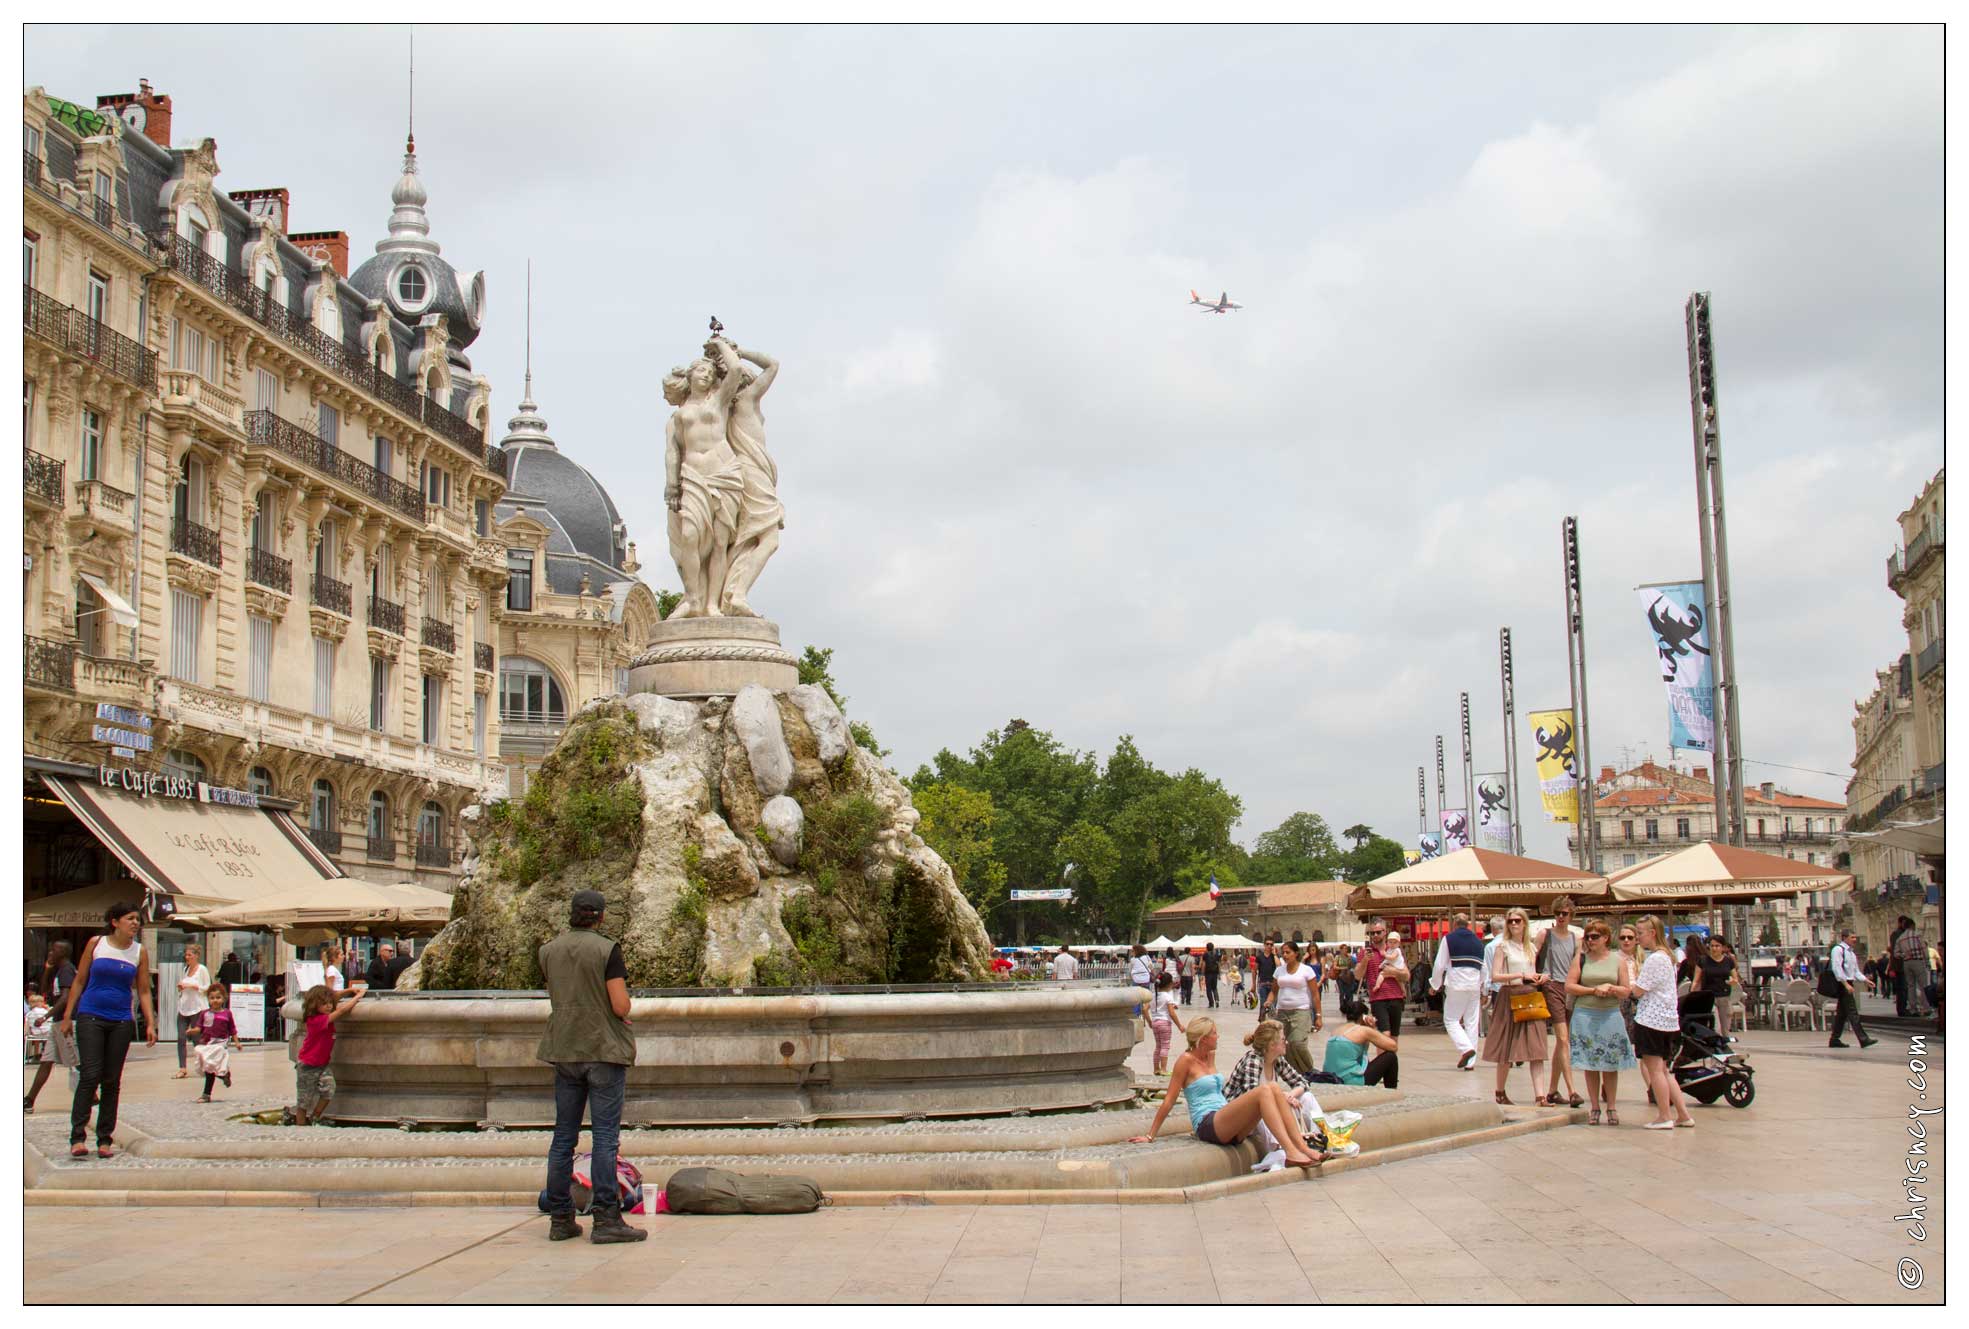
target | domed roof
[
  {"x": 551, "y": 487},
  {"x": 407, "y": 273}
]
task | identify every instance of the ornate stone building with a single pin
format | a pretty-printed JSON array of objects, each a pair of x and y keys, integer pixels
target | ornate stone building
[
  {"x": 259, "y": 496},
  {"x": 571, "y": 612}
]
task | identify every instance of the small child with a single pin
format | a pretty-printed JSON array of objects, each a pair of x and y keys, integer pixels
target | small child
[
  {"x": 1162, "y": 1014},
  {"x": 40, "y": 1020},
  {"x": 212, "y": 1033},
  {"x": 313, "y": 1085}
]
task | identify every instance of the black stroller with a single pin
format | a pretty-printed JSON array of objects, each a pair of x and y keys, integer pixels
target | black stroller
[{"x": 1707, "y": 1067}]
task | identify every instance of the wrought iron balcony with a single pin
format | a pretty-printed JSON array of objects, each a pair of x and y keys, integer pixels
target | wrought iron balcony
[
  {"x": 1929, "y": 660},
  {"x": 41, "y": 479},
  {"x": 386, "y": 614},
  {"x": 232, "y": 286},
  {"x": 433, "y": 855},
  {"x": 30, "y": 169},
  {"x": 331, "y": 595},
  {"x": 439, "y": 636},
  {"x": 326, "y": 840},
  {"x": 482, "y": 655},
  {"x": 382, "y": 849},
  {"x": 49, "y": 664},
  {"x": 104, "y": 211},
  {"x": 269, "y": 430},
  {"x": 75, "y": 332},
  {"x": 268, "y": 569},
  {"x": 195, "y": 541}
]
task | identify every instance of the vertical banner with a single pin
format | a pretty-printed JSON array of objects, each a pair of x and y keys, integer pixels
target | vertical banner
[
  {"x": 1456, "y": 829},
  {"x": 1410, "y": 857},
  {"x": 1430, "y": 843},
  {"x": 1681, "y": 638},
  {"x": 1558, "y": 763},
  {"x": 1494, "y": 812}
]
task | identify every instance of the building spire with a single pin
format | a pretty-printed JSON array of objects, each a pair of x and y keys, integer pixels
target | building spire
[
  {"x": 410, "y": 136},
  {"x": 529, "y": 426},
  {"x": 410, "y": 227},
  {"x": 527, "y": 399}
]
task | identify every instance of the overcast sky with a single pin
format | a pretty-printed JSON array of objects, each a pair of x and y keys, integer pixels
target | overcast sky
[{"x": 1023, "y": 479}]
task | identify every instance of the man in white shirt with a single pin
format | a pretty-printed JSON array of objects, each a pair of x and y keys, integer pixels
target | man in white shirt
[
  {"x": 1065, "y": 967},
  {"x": 1846, "y": 973},
  {"x": 1458, "y": 975}
]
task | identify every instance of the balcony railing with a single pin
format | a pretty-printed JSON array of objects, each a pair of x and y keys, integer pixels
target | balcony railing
[
  {"x": 50, "y": 664},
  {"x": 269, "y": 430},
  {"x": 42, "y": 478},
  {"x": 1931, "y": 779},
  {"x": 104, "y": 211},
  {"x": 382, "y": 849},
  {"x": 30, "y": 169},
  {"x": 268, "y": 569},
  {"x": 482, "y": 655},
  {"x": 519, "y": 723},
  {"x": 75, "y": 332},
  {"x": 232, "y": 286},
  {"x": 328, "y": 841},
  {"x": 386, "y": 614},
  {"x": 433, "y": 855},
  {"x": 331, "y": 595},
  {"x": 195, "y": 541},
  {"x": 440, "y": 637},
  {"x": 1929, "y": 660}
]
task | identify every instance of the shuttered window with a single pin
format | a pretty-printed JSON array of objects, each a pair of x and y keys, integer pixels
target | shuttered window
[
  {"x": 259, "y": 658},
  {"x": 187, "y": 618},
  {"x": 324, "y": 676}
]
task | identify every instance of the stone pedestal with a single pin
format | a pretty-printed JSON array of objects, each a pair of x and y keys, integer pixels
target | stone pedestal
[{"x": 713, "y": 657}]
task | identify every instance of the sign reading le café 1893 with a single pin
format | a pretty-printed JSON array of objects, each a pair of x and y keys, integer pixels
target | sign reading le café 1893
[{"x": 148, "y": 783}]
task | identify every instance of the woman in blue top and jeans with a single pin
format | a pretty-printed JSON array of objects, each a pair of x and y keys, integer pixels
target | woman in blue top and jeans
[
  {"x": 1216, "y": 1120},
  {"x": 114, "y": 970}
]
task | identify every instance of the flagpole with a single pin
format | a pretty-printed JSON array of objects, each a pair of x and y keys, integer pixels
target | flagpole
[
  {"x": 1588, "y": 804},
  {"x": 1421, "y": 804},
  {"x": 1510, "y": 735},
  {"x": 1469, "y": 782},
  {"x": 1440, "y": 804}
]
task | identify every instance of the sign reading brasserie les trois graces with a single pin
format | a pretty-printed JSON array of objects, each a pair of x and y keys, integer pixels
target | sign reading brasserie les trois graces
[{"x": 148, "y": 784}]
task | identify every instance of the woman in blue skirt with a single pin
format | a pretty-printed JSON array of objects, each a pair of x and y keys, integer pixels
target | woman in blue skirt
[{"x": 1599, "y": 978}]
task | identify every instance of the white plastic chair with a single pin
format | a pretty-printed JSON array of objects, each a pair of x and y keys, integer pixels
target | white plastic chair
[{"x": 1797, "y": 1000}]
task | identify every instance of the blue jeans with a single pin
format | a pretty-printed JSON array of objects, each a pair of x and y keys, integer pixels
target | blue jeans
[{"x": 597, "y": 1087}]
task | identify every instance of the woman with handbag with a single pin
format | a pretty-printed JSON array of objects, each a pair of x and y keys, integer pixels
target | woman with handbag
[
  {"x": 1519, "y": 1015},
  {"x": 1597, "y": 982}
]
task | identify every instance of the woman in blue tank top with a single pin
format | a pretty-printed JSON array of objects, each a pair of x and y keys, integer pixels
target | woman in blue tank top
[
  {"x": 1215, "y": 1121},
  {"x": 115, "y": 973}
]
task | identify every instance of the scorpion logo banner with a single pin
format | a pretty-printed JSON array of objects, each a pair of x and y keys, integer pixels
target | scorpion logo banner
[
  {"x": 1681, "y": 638},
  {"x": 1558, "y": 764},
  {"x": 1456, "y": 830},
  {"x": 1494, "y": 812}
]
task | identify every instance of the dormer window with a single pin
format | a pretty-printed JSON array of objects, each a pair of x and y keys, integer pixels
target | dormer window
[{"x": 413, "y": 288}]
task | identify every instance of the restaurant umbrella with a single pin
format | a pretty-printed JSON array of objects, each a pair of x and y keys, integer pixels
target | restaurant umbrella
[
  {"x": 1478, "y": 878},
  {"x": 344, "y": 902}
]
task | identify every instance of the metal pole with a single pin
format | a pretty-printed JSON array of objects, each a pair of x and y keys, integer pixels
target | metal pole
[
  {"x": 1701, "y": 412},
  {"x": 1421, "y": 802},
  {"x": 1469, "y": 780},
  {"x": 1440, "y": 805},
  {"x": 1510, "y": 736},
  {"x": 1589, "y": 821},
  {"x": 1733, "y": 695}
]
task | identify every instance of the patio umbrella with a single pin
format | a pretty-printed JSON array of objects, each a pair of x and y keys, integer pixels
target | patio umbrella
[
  {"x": 1482, "y": 878},
  {"x": 341, "y": 903},
  {"x": 1724, "y": 874}
]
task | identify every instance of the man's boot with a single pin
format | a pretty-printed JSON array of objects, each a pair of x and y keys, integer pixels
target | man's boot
[
  {"x": 609, "y": 1227},
  {"x": 563, "y": 1227}
]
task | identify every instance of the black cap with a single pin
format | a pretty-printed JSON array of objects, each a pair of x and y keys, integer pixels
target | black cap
[{"x": 587, "y": 904}]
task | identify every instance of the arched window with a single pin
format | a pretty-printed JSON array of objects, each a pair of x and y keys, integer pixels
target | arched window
[
  {"x": 321, "y": 807},
  {"x": 184, "y": 765},
  {"x": 380, "y": 843},
  {"x": 528, "y": 693},
  {"x": 431, "y": 849},
  {"x": 328, "y": 315},
  {"x": 259, "y": 781}
]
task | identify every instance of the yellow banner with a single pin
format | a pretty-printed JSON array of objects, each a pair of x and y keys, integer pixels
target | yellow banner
[{"x": 1558, "y": 763}]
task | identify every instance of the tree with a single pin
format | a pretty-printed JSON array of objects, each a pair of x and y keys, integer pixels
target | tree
[
  {"x": 957, "y": 823},
  {"x": 667, "y": 601},
  {"x": 1358, "y": 833},
  {"x": 1300, "y": 848},
  {"x": 1376, "y": 857},
  {"x": 815, "y": 668}
]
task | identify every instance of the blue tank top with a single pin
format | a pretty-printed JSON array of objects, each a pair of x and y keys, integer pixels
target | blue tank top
[
  {"x": 1346, "y": 1059},
  {"x": 1204, "y": 1096},
  {"x": 112, "y": 979}
]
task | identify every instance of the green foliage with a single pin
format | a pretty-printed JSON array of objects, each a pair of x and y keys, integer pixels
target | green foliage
[
  {"x": 583, "y": 804},
  {"x": 1769, "y": 935},
  {"x": 1300, "y": 848},
  {"x": 666, "y": 601},
  {"x": 1377, "y": 857},
  {"x": 838, "y": 832},
  {"x": 679, "y": 960},
  {"x": 1358, "y": 833},
  {"x": 816, "y": 663},
  {"x": 817, "y": 951},
  {"x": 957, "y": 824}
]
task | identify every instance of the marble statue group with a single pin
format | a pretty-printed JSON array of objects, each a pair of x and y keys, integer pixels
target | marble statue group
[{"x": 719, "y": 482}]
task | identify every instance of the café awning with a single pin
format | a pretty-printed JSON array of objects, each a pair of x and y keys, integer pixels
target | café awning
[
  {"x": 1723, "y": 874},
  {"x": 1484, "y": 878},
  {"x": 211, "y": 853},
  {"x": 347, "y": 902},
  {"x": 84, "y": 908},
  {"x": 120, "y": 611}
]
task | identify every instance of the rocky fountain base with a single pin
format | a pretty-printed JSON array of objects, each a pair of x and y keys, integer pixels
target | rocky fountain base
[{"x": 742, "y": 842}]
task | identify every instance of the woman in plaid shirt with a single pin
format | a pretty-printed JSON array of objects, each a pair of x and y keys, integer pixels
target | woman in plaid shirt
[{"x": 1267, "y": 1042}]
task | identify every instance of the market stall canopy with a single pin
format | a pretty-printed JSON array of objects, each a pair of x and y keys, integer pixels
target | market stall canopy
[
  {"x": 1230, "y": 943},
  {"x": 188, "y": 848},
  {"x": 1722, "y": 873},
  {"x": 345, "y": 902},
  {"x": 1159, "y": 944},
  {"x": 1483, "y": 877},
  {"x": 84, "y": 908}
]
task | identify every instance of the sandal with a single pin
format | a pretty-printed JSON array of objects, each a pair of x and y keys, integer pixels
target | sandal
[
  {"x": 78, "y": 1150},
  {"x": 1594, "y": 1120},
  {"x": 182, "y": 1074},
  {"x": 1577, "y": 1101},
  {"x": 1613, "y": 1117},
  {"x": 1502, "y": 1099}
]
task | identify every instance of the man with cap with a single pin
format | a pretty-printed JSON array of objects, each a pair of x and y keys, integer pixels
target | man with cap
[{"x": 589, "y": 1043}]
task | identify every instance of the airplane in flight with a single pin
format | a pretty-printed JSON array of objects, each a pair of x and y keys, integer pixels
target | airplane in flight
[{"x": 1223, "y": 304}]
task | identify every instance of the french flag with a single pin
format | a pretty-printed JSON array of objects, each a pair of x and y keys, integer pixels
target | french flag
[{"x": 1214, "y": 892}]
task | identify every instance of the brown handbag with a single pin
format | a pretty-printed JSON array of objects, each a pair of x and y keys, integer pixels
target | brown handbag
[{"x": 1528, "y": 1006}]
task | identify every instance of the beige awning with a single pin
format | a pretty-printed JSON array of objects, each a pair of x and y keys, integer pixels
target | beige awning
[
  {"x": 120, "y": 611},
  {"x": 1724, "y": 874},
  {"x": 84, "y": 908},
  {"x": 210, "y": 852},
  {"x": 346, "y": 902},
  {"x": 1484, "y": 877},
  {"x": 1233, "y": 942}
]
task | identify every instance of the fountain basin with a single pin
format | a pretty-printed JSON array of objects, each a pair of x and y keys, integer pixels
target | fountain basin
[{"x": 966, "y": 1050}]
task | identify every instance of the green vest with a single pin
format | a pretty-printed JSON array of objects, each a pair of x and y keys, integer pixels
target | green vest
[{"x": 581, "y": 1026}]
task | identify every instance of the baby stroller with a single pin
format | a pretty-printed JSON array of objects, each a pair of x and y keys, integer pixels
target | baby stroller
[{"x": 1708, "y": 1069}]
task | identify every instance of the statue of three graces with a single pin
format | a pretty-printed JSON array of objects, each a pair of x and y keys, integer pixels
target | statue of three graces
[{"x": 719, "y": 482}]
